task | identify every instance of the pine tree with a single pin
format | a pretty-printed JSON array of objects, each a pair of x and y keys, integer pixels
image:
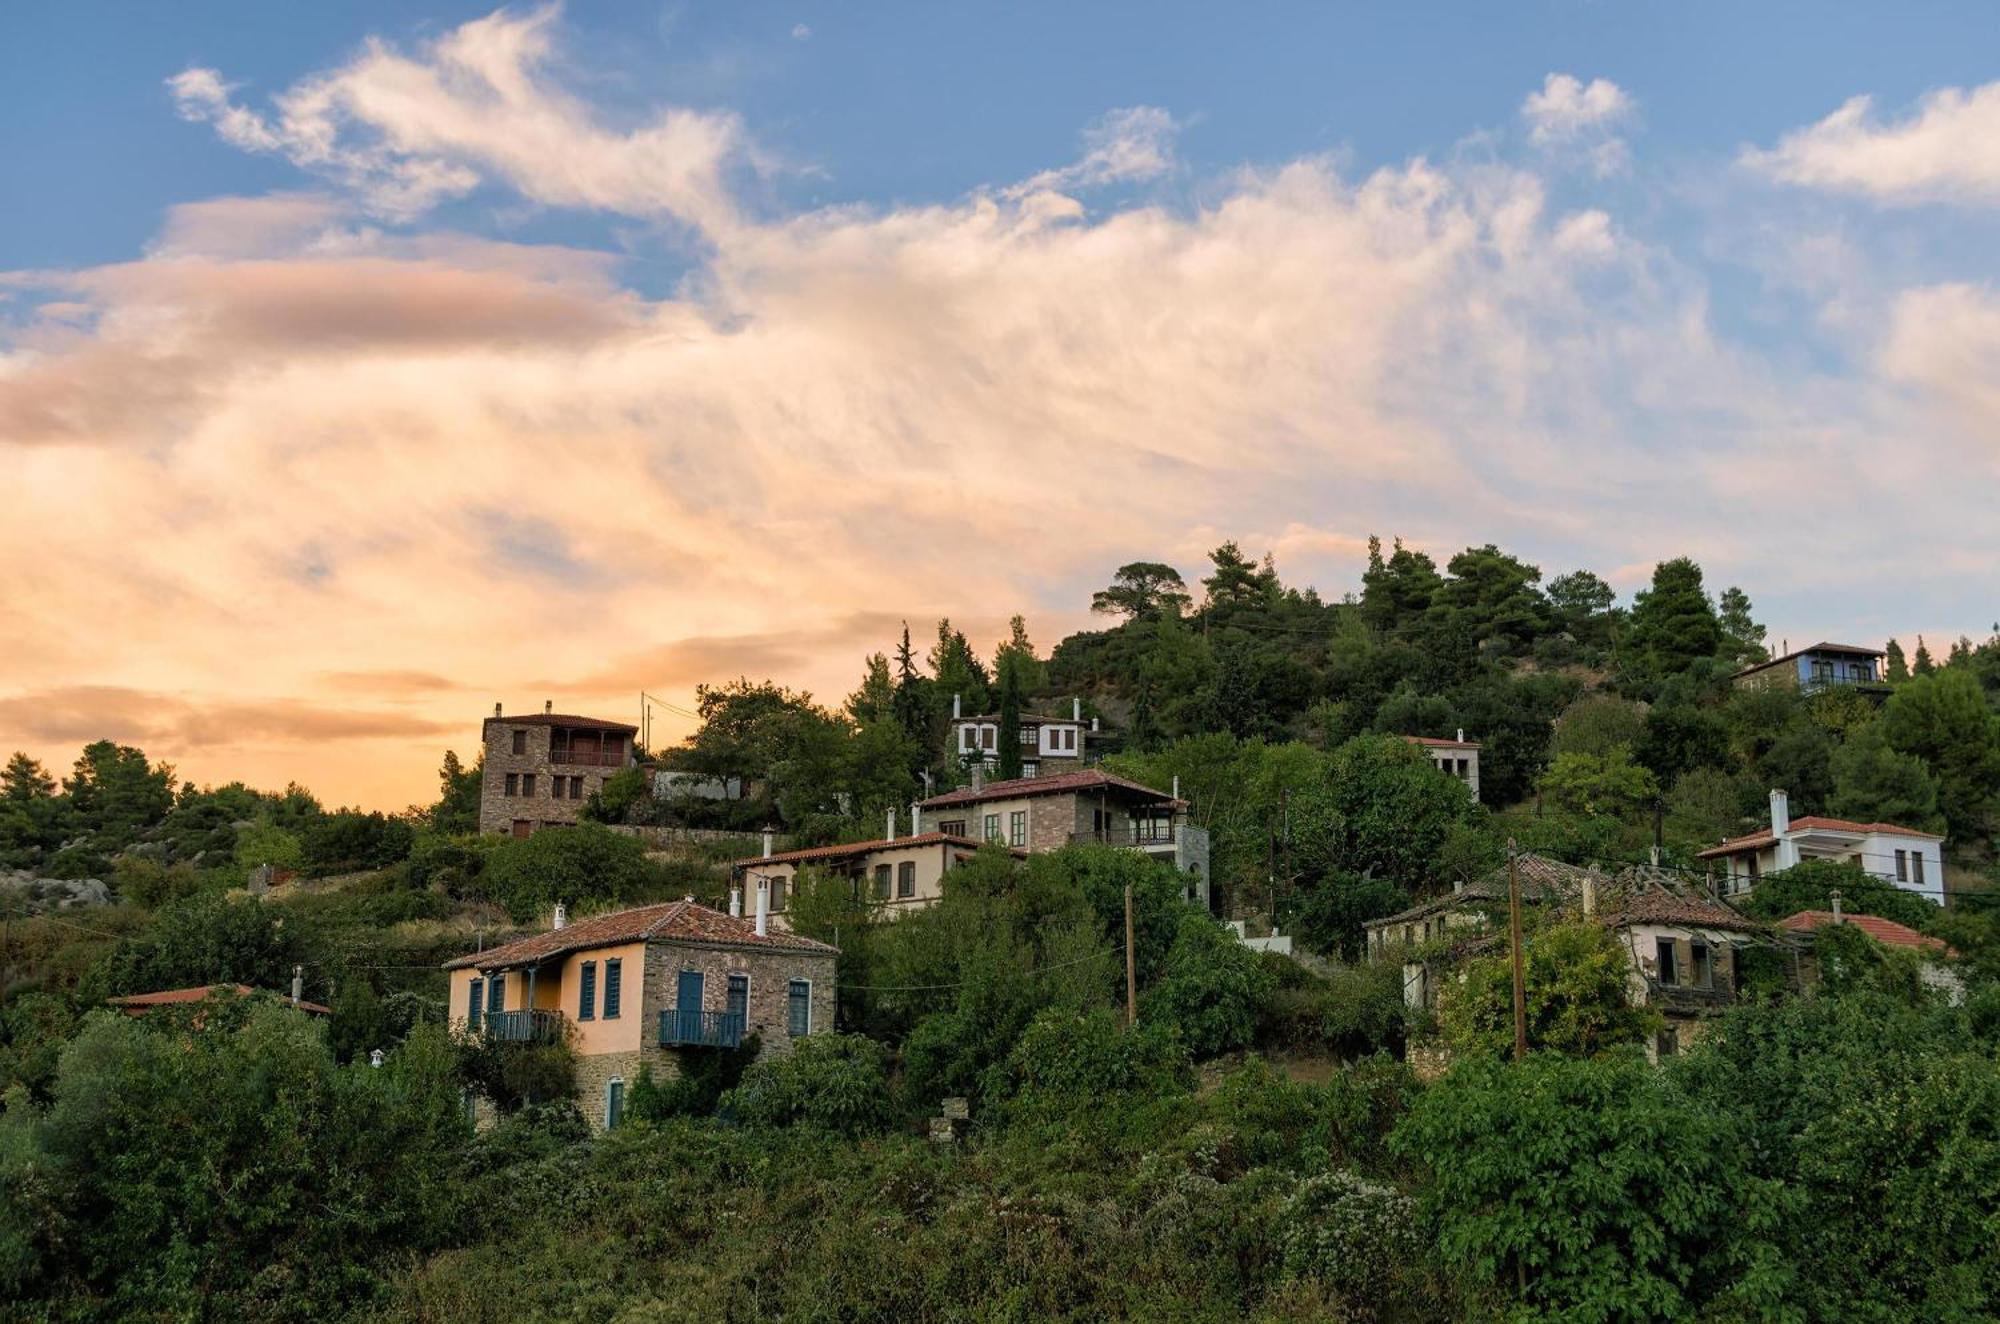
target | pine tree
[
  {"x": 1742, "y": 637},
  {"x": 1010, "y": 718},
  {"x": 1899, "y": 666},
  {"x": 25, "y": 779},
  {"x": 1923, "y": 666},
  {"x": 1673, "y": 623}
]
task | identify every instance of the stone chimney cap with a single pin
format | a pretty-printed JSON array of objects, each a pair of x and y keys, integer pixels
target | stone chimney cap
[
  {"x": 548, "y": 706},
  {"x": 496, "y": 710}
]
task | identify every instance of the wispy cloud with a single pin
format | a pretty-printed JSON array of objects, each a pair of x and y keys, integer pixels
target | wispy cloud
[
  {"x": 1946, "y": 150},
  {"x": 1569, "y": 115}
]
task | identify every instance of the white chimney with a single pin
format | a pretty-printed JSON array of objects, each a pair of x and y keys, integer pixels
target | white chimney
[
  {"x": 1836, "y": 905},
  {"x": 1781, "y": 813},
  {"x": 1457, "y": 885},
  {"x": 548, "y": 706},
  {"x": 916, "y": 821},
  {"x": 978, "y": 777},
  {"x": 375, "y": 1058},
  {"x": 1076, "y": 710},
  {"x": 1177, "y": 786},
  {"x": 1589, "y": 894},
  {"x": 298, "y": 983},
  {"x": 1093, "y": 724},
  {"x": 770, "y": 841},
  {"x": 736, "y": 901},
  {"x": 955, "y": 704},
  {"x": 561, "y": 919},
  {"x": 1461, "y": 735},
  {"x": 763, "y": 906},
  {"x": 890, "y": 834}
]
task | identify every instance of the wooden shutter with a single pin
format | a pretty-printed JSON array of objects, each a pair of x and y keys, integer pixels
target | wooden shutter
[
  {"x": 475, "y": 991},
  {"x": 586, "y": 1001},
  {"x": 612, "y": 971}
]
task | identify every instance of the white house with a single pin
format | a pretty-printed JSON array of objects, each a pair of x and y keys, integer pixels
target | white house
[
  {"x": 1458, "y": 757},
  {"x": 1048, "y": 744},
  {"x": 1909, "y": 858}
]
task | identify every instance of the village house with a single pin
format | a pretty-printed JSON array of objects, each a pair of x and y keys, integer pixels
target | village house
[
  {"x": 901, "y": 873},
  {"x": 1045, "y": 813},
  {"x": 1908, "y": 858},
  {"x": 641, "y": 989},
  {"x": 1932, "y": 952},
  {"x": 1048, "y": 744},
  {"x": 1685, "y": 949},
  {"x": 1821, "y": 667},
  {"x": 1459, "y": 757},
  {"x": 539, "y": 769}
]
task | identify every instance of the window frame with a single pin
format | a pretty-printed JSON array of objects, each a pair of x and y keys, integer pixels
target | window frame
[
  {"x": 1701, "y": 964},
  {"x": 614, "y": 992},
  {"x": 793, "y": 1001},
  {"x": 614, "y": 1102},
  {"x": 1017, "y": 827},
  {"x": 520, "y": 745},
  {"x": 1902, "y": 866},
  {"x": 475, "y": 1002},
  {"x": 881, "y": 881},
  {"x": 512, "y": 786},
  {"x": 906, "y": 880},
  {"x": 586, "y": 991},
  {"x": 991, "y": 824},
  {"x": 1917, "y": 868},
  {"x": 527, "y": 785},
  {"x": 1666, "y": 962}
]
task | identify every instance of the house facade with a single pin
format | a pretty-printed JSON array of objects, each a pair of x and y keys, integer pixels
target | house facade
[
  {"x": 1908, "y": 858},
  {"x": 1049, "y": 745},
  {"x": 1932, "y": 952},
  {"x": 1684, "y": 949},
  {"x": 1048, "y": 812},
  {"x": 1823, "y": 666},
  {"x": 641, "y": 989},
  {"x": 540, "y": 768},
  {"x": 899, "y": 873},
  {"x": 1459, "y": 757}
]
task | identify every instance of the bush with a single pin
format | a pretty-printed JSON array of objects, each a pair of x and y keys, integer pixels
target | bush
[
  {"x": 349, "y": 841},
  {"x": 1577, "y": 978},
  {"x": 1351, "y": 1234},
  {"x": 1213, "y": 990},
  {"x": 702, "y": 1081},
  {"x": 1066, "y": 1063},
  {"x": 453, "y": 864},
  {"x": 574, "y": 865},
  {"x": 1810, "y": 884},
  {"x": 838, "y": 1082}
]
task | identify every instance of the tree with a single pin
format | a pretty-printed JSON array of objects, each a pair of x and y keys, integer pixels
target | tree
[
  {"x": 348, "y": 840},
  {"x": 1493, "y": 598},
  {"x": 1583, "y": 608},
  {"x": 1943, "y": 718},
  {"x": 1673, "y": 624},
  {"x": 1611, "y": 785},
  {"x": 456, "y": 812},
  {"x": 25, "y": 779},
  {"x": 1810, "y": 885},
  {"x": 1873, "y": 783},
  {"x": 1599, "y": 725},
  {"x": 1018, "y": 651},
  {"x": 1141, "y": 591},
  {"x": 1898, "y": 666},
  {"x": 1922, "y": 666},
  {"x": 1237, "y": 579},
  {"x": 957, "y": 670},
  {"x": 1742, "y": 637},
  {"x": 115, "y": 793},
  {"x": 1213, "y": 988},
  {"x": 1010, "y": 719},
  {"x": 205, "y": 940},
  {"x": 1395, "y": 593},
  {"x": 575, "y": 865}
]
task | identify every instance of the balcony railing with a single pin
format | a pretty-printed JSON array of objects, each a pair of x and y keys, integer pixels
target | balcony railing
[
  {"x": 588, "y": 758},
  {"x": 523, "y": 1027},
  {"x": 1142, "y": 838},
  {"x": 701, "y": 1029}
]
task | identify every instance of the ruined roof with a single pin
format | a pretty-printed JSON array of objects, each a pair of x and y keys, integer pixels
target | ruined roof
[
  {"x": 1541, "y": 879},
  {"x": 674, "y": 921},
  {"x": 1885, "y": 931},
  {"x": 852, "y": 849},
  {"x": 1683, "y": 909},
  {"x": 174, "y": 997},
  {"x": 1811, "y": 823},
  {"x": 1086, "y": 779},
  {"x": 567, "y": 719}
]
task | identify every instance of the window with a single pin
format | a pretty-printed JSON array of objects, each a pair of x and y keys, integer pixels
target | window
[
  {"x": 474, "y": 992},
  {"x": 798, "y": 1008},
  {"x": 989, "y": 739},
  {"x": 1700, "y": 966},
  {"x": 952, "y": 827},
  {"x": 513, "y": 783},
  {"x": 520, "y": 741},
  {"x": 612, "y": 971},
  {"x": 777, "y": 895},
  {"x": 1755, "y": 868},
  {"x": 906, "y": 879},
  {"x": 614, "y": 1102},
  {"x": 1822, "y": 671},
  {"x": 1663, "y": 957},
  {"x": 1902, "y": 866},
  {"x": 739, "y": 998},
  {"x": 1917, "y": 867},
  {"x": 1027, "y": 737},
  {"x": 1017, "y": 828},
  {"x": 992, "y": 827},
  {"x": 527, "y": 783},
  {"x": 967, "y": 736},
  {"x": 586, "y": 997},
  {"x": 576, "y": 788},
  {"x": 1030, "y": 768},
  {"x": 881, "y": 882},
  {"x": 496, "y": 994},
  {"x": 1409, "y": 935},
  {"x": 1667, "y": 1042}
]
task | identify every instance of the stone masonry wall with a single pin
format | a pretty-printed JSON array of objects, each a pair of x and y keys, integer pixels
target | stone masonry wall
[
  {"x": 498, "y": 811},
  {"x": 771, "y": 973}
]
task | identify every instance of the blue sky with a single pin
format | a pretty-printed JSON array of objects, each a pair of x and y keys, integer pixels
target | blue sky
[{"x": 436, "y": 355}]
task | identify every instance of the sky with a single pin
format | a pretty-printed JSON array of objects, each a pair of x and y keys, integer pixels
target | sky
[{"x": 364, "y": 365}]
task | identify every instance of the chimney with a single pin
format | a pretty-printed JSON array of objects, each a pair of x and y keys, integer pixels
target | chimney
[
  {"x": 561, "y": 919},
  {"x": 978, "y": 777},
  {"x": 1653, "y": 855},
  {"x": 548, "y": 706},
  {"x": 1589, "y": 894},
  {"x": 770, "y": 841},
  {"x": 1461, "y": 735},
  {"x": 916, "y": 821},
  {"x": 1835, "y": 894},
  {"x": 375, "y": 1058},
  {"x": 496, "y": 710},
  {"x": 1177, "y": 786},
  {"x": 1093, "y": 724},
  {"x": 1076, "y": 710},
  {"x": 955, "y": 708},
  {"x": 1781, "y": 813},
  {"x": 890, "y": 835},
  {"x": 763, "y": 906},
  {"x": 1457, "y": 886},
  {"x": 736, "y": 901},
  {"x": 298, "y": 983}
]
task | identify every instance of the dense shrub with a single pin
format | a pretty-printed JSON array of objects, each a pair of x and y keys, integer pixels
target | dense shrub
[
  {"x": 1577, "y": 996},
  {"x": 698, "y": 1086},
  {"x": 452, "y": 864},
  {"x": 575, "y": 865},
  {"x": 837, "y": 1082},
  {"x": 1066, "y": 1063},
  {"x": 1213, "y": 988},
  {"x": 1356, "y": 1236},
  {"x": 1810, "y": 885},
  {"x": 348, "y": 841},
  {"x": 207, "y": 939}
]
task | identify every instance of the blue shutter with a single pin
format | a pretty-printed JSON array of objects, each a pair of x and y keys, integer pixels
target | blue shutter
[
  {"x": 612, "y": 971},
  {"x": 614, "y": 1104},
  {"x": 496, "y": 993},
  {"x": 474, "y": 992},
  {"x": 586, "y": 1000},
  {"x": 798, "y": 1020}
]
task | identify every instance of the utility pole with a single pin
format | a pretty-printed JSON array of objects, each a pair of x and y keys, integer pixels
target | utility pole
[
  {"x": 1131, "y": 972},
  {"x": 1520, "y": 980}
]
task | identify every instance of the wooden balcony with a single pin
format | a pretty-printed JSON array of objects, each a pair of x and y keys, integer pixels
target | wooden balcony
[
  {"x": 587, "y": 758},
  {"x": 541, "y": 1026},
  {"x": 1144, "y": 838},
  {"x": 701, "y": 1029}
]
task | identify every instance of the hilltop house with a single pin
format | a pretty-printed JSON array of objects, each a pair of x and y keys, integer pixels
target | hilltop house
[
  {"x": 1049, "y": 745},
  {"x": 1045, "y": 813},
  {"x": 643, "y": 988},
  {"x": 1820, "y": 667},
  {"x": 539, "y": 769},
  {"x": 1459, "y": 757},
  {"x": 1909, "y": 858},
  {"x": 902, "y": 873}
]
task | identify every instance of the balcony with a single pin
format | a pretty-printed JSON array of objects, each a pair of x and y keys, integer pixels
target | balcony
[
  {"x": 701, "y": 1029},
  {"x": 1145, "y": 837},
  {"x": 523, "y": 1027},
  {"x": 587, "y": 758}
]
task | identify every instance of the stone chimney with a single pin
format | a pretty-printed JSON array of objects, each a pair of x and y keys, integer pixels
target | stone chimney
[
  {"x": 1589, "y": 894},
  {"x": 548, "y": 707},
  {"x": 770, "y": 841},
  {"x": 561, "y": 917},
  {"x": 763, "y": 906},
  {"x": 496, "y": 710},
  {"x": 978, "y": 777}
]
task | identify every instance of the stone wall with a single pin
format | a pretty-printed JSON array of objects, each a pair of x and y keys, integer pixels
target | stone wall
[
  {"x": 498, "y": 811},
  {"x": 770, "y": 972}
]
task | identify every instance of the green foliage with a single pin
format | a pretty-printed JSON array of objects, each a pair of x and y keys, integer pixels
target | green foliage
[
  {"x": 1599, "y": 725},
  {"x": 1587, "y": 1189},
  {"x": 697, "y": 1087},
  {"x": 1067, "y": 1064},
  {"x": 1609, "y": 785},
  {"x": 1810, "y": 885},
  {"x": 1946, "y": 720},
  {"x": 1673, "y": 625},
  {"x": 620, "y": 794},
  {"x": 453, "y": 865},
  {"x": 1350, "y": 1234},
  {"x": 1329, "y": 915},
  {"x": 349, "y": 841},
  {"x": 1576, "y": 977},
  {"x": 456, "y": 812},
  {"x": 1212, "y": 990},
  {"x": 1142, "y": 590},
  {"x": 204, "y": 940},
  {"x": 835, "y": 1082},
  {"x": 265, "y": 843},
  {"x": 1355, "y": 1011},
  {"x": 577, "y": 865}
]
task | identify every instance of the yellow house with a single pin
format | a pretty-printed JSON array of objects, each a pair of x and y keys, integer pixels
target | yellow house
[{"x": 642, "y": 988}]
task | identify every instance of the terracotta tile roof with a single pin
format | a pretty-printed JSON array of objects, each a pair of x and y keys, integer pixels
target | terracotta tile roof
[
  {"x": 1086, "y": 779},
  {"x": 1541, "y": 879},
  {"x": 1811, "y": 823},
  {"x": 173, "y": 997},
  {"x": 848, "y": 850},
  {"x": 1885, "y": 931},
  {"x": 1652, "y": 906},
  {"x": 566, "y": 719},
  {"x": 1437, "y": 742},
  {"x": 674, "y": 921}
]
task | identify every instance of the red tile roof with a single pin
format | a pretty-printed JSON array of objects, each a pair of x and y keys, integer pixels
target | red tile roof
[
  {"x": 1658, "y": 907},
  {"x": 566, "y": 719},
  {"x": 138, "y": 1003},
  {"x": 1439, "y": 743},
  {"x": 848, "y": 850},
  {"x": 1811, "y": 823},
  {"x": 675, "y": 921},
  {"x": 1885, "y": 931},
  {"x": 1087, "y": 779}
]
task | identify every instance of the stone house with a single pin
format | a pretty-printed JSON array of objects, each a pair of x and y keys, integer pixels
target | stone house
[
  {"x": 644, "y": 988},
  {"x": 1045, "y": 813},
  {"x": 1936, "y": 974},
  {"x": 1904, "y": 857},
  {"x": 897, "y": 873},
  {"x": 539, "y": 769},
  {"x": 1685, "y": 951}
]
